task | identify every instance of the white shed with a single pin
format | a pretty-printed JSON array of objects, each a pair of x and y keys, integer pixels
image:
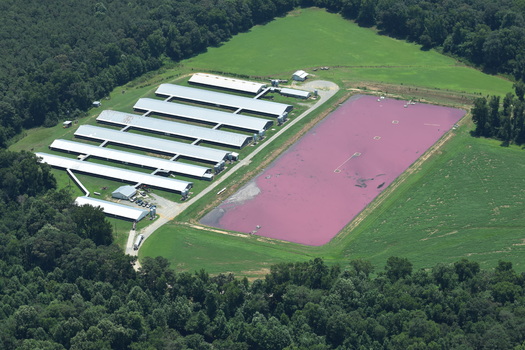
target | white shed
[
  {"x": 110, "y": 208},
  {"x": 294, "y": 93},
  {"x": 300, "y": 75},
  {"x": 124, "y": 192}
]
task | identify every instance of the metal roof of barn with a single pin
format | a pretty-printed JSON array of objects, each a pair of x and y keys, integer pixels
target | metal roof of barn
[
  {"x": 222, "y": 99},
  {"x": 152, "y": 143},
  {"x": 174, "y": 128},
  {"x": 130, "y": 157},
  {"x": 203, "y": 114},
  {"x": 227, "y": 83},
  {"x": 301, "y": 73},
  {"x": 113, "y": 208},
  {"x": 295, "y": 93},
  {"x": 126, "y": 190},
  {"x": 115, "y": 173}
]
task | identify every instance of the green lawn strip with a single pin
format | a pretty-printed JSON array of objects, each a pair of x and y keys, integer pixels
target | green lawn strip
[
  {"x": 190, "y": 249},
  {"x": 39, "y": 139},
  {"x": 484, "y": 245},
  {"x": 100, "y": 185},
  {"x": 459, "y": 79},
  {"x": 121, "y": 229},
  {"x": 64, "y": 181}
]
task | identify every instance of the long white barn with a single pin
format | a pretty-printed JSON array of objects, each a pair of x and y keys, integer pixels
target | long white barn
[
  {"x": 114, "y": 209},
  {"x": 200, "y": 114},
  {"x": 132, "y": 158},
  {"x": 222, "y": 99},
  {"x": 153, "y": 143},
  {"x": 174, "y": 128},
  {"x": 115, "y": 173},
  {"x": 227, "y": 83}
]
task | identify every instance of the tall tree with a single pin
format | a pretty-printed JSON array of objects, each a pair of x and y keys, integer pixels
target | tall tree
[
  {"x": 480, "y": 116},
  {"x": 494, "y": 118},
  {"x": 397, "y": 268},
  {"x": 519, "y": 89},
  {"x": 92, "y": 223}
]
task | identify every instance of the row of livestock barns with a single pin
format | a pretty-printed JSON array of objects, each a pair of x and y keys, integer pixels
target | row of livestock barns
[{"x": 186, "y": 133}]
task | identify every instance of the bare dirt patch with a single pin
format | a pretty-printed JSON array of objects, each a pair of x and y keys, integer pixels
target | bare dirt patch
[
  {"x": 204, "y": 228},
  {"x": 451, "y": 98},
  {"x": 256, "y": 274},
  {"x": 520, "y": 244}
]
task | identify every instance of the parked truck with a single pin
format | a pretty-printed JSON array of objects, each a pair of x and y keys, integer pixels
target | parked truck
[{"x": 138, "y": 241}]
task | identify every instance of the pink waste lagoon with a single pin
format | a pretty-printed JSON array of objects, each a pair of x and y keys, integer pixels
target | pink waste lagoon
[{"x": 331, "y": 174}]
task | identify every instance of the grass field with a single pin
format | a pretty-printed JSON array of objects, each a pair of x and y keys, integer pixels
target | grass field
[
  {"x": 465, "y": 201},
  {"x": 311, "y": 38},
  {"x": 192, "y": 249}
]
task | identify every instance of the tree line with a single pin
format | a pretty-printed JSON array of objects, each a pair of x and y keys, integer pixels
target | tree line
[
  {"x": 64, "y": 285},
  {"x": 503, "y": 120},
  {"x": 59, "y": 56}
]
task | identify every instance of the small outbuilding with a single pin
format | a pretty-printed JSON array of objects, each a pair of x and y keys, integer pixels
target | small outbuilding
[
  {"x": 294, "y": 93},
  {"x": 113, "y": 209},
  {"x": 124, "y": 192},
  {"x": 67, "y": 124},
  {"x": 300, "y": 75},
  {"x": 97, "y": 103}
]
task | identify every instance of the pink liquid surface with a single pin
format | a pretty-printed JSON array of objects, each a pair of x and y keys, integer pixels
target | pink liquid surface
[{"x": 332, "y": 173}]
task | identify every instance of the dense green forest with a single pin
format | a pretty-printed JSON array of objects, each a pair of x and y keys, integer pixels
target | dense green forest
[
  {"x": 59, "y": 56},
  {"x": 63, "y": 285}
]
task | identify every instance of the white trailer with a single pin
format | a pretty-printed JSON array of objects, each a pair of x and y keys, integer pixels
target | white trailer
[{"x": 138, "y": 241}]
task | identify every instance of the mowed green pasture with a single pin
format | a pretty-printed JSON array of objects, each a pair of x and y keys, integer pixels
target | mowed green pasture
[
  {"x": 190, "y": 249},
  {"x": 310, "y": 38}
]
